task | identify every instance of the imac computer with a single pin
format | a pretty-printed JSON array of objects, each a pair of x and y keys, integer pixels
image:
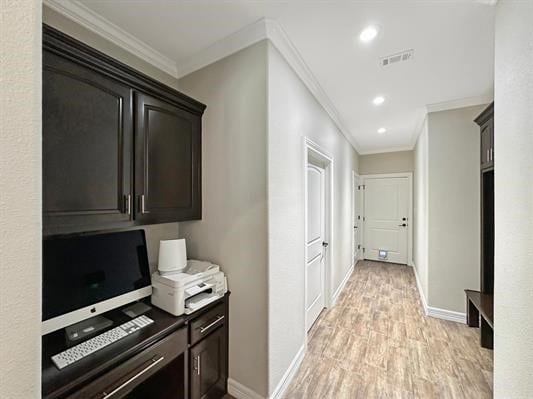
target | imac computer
[{"x": 87, "y": 275}]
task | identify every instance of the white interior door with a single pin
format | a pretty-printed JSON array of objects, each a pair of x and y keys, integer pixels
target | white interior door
[
  {"x": 386, "y": 213},
  {"x": 316, "y": 251}
]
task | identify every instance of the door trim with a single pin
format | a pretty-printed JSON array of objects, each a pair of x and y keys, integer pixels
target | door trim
[
  {"x": 409, "y": 176},
  {"x": 327, "y": 163},
  {"x": 356, "y": 195}
]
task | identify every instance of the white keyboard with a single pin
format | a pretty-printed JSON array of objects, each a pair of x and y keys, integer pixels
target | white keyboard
[{"x": 78, "y": 352}]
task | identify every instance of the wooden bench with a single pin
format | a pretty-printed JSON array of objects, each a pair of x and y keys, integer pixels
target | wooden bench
[{"x": 478, "y": 304}]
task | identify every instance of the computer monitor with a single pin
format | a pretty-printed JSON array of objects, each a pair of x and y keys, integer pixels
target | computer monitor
[{"x": 86, "y": 275}]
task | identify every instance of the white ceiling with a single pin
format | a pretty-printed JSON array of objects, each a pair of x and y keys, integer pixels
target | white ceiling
[{"x": 453, "y": 43}]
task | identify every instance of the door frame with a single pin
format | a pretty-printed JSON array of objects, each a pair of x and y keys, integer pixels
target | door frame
[
  {"x": 356, "y": 196},
  {"x": 409, "y": 176},
  {"x": 327, "y": 163}
]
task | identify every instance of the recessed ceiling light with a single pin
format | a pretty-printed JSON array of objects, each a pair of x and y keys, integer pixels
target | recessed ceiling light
[
  {"x": 382, "y": 130},
  {"x": 378, "y": 100},
  {"x": 368, "y": 34}
]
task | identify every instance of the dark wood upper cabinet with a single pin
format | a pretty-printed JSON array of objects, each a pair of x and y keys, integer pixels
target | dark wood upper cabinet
[
  {"x": 119, "y": 148},
  {"x": 168, "y": 141},
  {"x": 87, "y": 147},
  {"x": 486, "y": 123},
  {"x": 208, "y": 367}
]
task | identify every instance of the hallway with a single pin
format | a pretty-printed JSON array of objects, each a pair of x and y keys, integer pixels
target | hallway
[{"x": 377, "y": 343}]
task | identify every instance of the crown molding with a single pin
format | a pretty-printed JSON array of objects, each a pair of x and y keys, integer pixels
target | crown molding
[
  {"x": 279, "y": 38},
  {"x": 94, "y": 22},
  {"x": 384, "y": 150},
  {"x": 460, "y": 103},
  {"x": 270, "y": 30},
  {"x": 224, "y": 47}
]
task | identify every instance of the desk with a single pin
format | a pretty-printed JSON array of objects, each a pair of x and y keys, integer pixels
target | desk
[{"x": 162, "y": 361}]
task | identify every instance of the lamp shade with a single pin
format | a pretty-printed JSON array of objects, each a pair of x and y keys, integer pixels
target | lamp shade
[{"x": 172, "y": 256}]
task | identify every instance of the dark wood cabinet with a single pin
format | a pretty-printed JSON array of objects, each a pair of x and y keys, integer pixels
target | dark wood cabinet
[
  {"x": 486, "y": 123},
  {"x": 208, "y": 367},
  {"x": 119, "y": 148},
  {"x": 480, "y": 303},
  {"x": 168, "y": 148},
  {"x": 87, "y": 147},
  {"x": 166, "y": 360}
]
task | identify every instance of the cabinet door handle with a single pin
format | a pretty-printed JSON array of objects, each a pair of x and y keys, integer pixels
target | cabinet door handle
[
  {"x": 128, "y": 204},
  {"x": 491, "y": 154},
  {"x": 198, "y": 363},
  {"x": 488, "y": 155},
  {"x": 143, "y": 210},
  {"x": 204, "y": 329},
  {"x": 153, "y": 362}
]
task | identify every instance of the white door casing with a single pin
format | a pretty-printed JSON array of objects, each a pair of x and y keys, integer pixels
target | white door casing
[
  {"x": 387, "y": 217},
  {"x": 316, "y": 252},
  {"x": 356, "y": 218}
]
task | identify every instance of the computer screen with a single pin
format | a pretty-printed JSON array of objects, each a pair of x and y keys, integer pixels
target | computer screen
[{"x": 80, "y": 271}]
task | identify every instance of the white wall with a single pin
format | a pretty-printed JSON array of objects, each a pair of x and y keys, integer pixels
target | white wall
[
  {"x": 453, "y": 206},
  {"x": 386, "y": 162},
  {"x": 513, "y": 291},
  {"x": 420, "y": 209},
  {"x": 20, "y": 201},
  {"x": 233, "y": 229},
  {"x": 293, "y": 113}
]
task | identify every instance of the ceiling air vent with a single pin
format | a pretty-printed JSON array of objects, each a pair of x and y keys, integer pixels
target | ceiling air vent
[{"x": 398, "y": 57}]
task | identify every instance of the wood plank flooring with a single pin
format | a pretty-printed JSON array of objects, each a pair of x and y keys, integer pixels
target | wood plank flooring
[{"x": 377, "y": 343}]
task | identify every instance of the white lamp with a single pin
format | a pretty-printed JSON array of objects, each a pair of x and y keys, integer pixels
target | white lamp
[{"x": 172, "y": 256}]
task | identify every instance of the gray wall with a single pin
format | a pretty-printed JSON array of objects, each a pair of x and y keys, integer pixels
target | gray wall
[
  {"x": 293, "y": 113},
  {"x": 20, "y": 199},
  {"x": 513, "y": 290},
  {"x": 453, "y": 206},
  {"x": 233, "y": 229},
  {"x": 387, "y": 162}
]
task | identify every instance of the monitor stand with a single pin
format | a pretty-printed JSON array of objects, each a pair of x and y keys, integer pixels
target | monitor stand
[{"x": 79, "y": 331}]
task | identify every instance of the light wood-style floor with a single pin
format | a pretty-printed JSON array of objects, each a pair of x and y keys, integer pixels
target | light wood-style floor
[{"x": 377, "y": 343}]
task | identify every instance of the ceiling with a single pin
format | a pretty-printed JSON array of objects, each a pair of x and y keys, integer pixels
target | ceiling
[{"x": 452, "y": 42}]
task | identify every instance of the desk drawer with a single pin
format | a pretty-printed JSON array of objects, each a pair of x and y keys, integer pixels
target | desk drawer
[
  {"x": 207, "y": 323},
  {"x": 125, "y": 377}
]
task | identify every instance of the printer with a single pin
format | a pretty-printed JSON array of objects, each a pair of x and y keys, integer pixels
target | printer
[{"x": 184, "y": 286}]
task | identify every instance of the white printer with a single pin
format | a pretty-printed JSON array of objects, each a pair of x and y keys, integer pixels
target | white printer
[{"x": 180, "y": 286}]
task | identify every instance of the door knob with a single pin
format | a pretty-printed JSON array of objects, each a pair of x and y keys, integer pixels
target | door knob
[
  {"x": 325, "y": 244},
  {"x": 402, "y": 225}
]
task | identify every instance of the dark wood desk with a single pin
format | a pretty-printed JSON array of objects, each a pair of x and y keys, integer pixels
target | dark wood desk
[
  {"x": 481, "y": 304},
  {"x": 161, "y": 361}
]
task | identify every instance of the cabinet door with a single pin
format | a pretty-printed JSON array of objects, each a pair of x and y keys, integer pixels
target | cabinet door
[
  {"x": 87, "y": 148},
  {"x": 168, "y": 175},
  {"x": 487, "y": 146},
  {"x": 208, "y": 367}
]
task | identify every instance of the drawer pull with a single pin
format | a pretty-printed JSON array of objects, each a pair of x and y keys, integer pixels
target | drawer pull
[
  {"x": 153, "y": 362},
  {"x": 204, "y": 329}
]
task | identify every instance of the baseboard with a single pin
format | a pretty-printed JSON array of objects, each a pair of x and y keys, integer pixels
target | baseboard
[
  {"x": 420, "y": 291},
  {"x": 444, "y": 314},
  {"x": 239, "y": 391},
  {"x": 289, "y": 374},
  {"x": 342, "y": 285}
]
